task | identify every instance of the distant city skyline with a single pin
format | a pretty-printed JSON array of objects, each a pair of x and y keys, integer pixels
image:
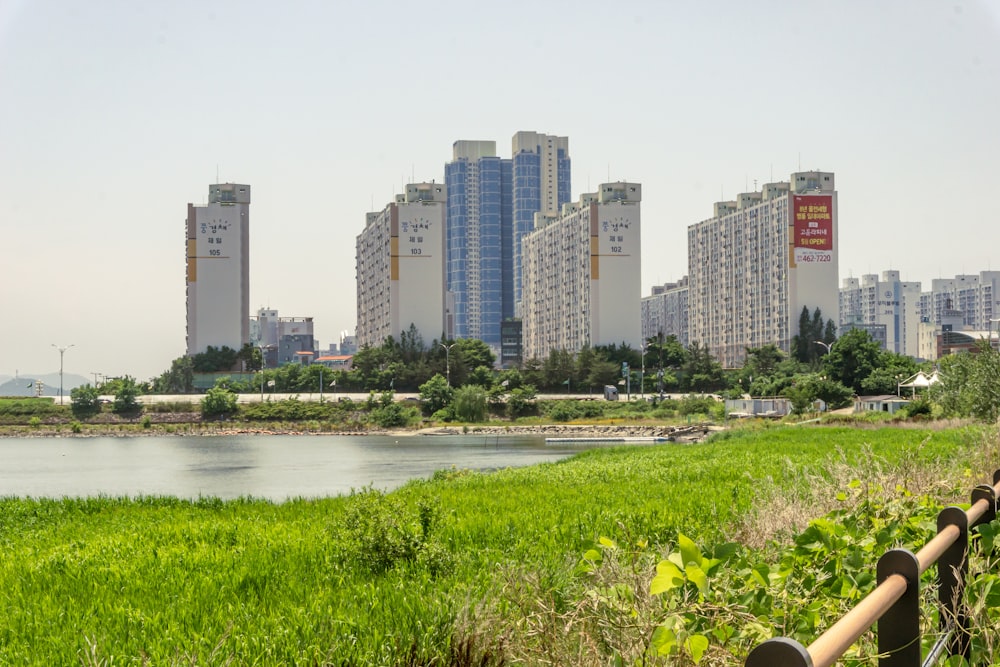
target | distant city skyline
[{"x": 115, "y": 115}]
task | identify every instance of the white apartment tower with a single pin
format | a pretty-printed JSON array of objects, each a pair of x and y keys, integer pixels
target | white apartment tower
[
  {"x": 581, "y": 274},
  {"x": 400, "y": 267},
  {"x": 976, "y": 296},
  {"x": 758, "y": 261},
  {"x": 665, "y": 312},
  {"x": 218, "y": 269},
  {"x": 889, "y": 302}
]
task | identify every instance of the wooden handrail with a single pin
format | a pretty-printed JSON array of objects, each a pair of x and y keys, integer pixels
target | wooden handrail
[{"x": 831, "y": 645}]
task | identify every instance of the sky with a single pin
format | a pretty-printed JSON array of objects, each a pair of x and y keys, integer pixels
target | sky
[{"x": 114, "y": 115}]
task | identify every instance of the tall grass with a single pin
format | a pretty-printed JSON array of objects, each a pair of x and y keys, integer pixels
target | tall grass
[{"x": 410, "y": 577}]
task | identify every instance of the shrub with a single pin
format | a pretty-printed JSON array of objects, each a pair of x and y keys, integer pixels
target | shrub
[
  {"x": 218, "y": 402},
  {"x": 85, "y": 401},
  {"x": 519, "y": 401},
  {"x": 436, "y": 394},
  {"x": 127, "y": 398},
  {"x": 561, "y": 411},
  {"x": 696, "y": 405},
  {"x": 381, "y": 531},
  {"x": 470, "y": 403},
  {"x": 390, "y": 416}
]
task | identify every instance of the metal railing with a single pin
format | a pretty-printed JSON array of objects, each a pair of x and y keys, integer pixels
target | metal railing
[{"x": 895, "y": 602}]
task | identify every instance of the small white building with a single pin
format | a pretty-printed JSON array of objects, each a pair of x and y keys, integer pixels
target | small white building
[{"x": 884, "y": 403}]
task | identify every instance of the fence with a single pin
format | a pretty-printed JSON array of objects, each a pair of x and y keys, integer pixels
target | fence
[{"x": 895, "y": 602}]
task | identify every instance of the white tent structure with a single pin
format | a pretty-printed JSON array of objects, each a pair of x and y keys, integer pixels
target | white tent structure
[{"x": 920, "y": 380}]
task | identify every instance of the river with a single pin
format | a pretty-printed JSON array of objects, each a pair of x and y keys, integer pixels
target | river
[{"x": 275, "y": 467}]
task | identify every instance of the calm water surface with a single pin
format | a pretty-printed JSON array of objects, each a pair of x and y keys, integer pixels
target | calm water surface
[{"x": 274, "y": 467}]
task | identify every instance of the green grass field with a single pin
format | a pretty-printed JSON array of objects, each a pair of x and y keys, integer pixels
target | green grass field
[{"x": 453, "y": 570}]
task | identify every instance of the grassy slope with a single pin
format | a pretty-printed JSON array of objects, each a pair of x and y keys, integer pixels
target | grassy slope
[{"x": 204, "y": 582}]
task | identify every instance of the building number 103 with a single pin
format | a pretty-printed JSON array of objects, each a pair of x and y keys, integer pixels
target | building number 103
[{"x": 415, "y": 251}]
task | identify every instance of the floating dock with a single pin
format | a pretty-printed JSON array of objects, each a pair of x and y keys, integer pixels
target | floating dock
[{"x": 599, "y": 439}]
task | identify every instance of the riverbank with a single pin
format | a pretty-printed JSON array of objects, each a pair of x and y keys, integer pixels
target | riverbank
[{"x": 165, "y": 424}]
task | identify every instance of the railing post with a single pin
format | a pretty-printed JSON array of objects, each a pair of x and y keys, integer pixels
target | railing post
[
  {"x": 779, "y": 652},
  {"x": 899, "y": 626},
  {"x": 953, "y": 569},
  {"x": 989, "y": 493}
]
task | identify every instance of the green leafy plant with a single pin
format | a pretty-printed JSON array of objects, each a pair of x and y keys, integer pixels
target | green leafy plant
[
  {"x": 85, "y": 401},
  {"x": 218, "y": 402}
]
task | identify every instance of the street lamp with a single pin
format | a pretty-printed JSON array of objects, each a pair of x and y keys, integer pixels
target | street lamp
[
  {"x": 447, "y": 360},
  {"x": 826, "y": 345},
  {"x": 642, "y": 371},
  {"x": 62, "y": 351}
]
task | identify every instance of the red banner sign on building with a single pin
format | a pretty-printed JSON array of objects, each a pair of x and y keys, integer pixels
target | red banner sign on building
[{"x": 813, "y": 222}]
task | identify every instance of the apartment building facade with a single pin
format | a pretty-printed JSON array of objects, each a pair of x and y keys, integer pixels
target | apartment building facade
[
  {"x": 400, "y": 267},
  {"x": 581, "y": 274},
  {"x": 758, "y": 261},
  {"x": 886, "y": 301},
  {"x": 218, "y": 269},
  {"x": 665, "y": 312}
]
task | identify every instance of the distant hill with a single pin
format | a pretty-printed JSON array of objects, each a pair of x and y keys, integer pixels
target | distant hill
[{"x": 24, "y": 385}]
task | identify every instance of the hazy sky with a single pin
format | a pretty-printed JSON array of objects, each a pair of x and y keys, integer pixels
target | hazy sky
[{"x": 115, "y": 114}]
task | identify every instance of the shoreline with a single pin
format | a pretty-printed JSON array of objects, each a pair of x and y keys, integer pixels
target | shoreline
[{"x": 685, "y": 433}]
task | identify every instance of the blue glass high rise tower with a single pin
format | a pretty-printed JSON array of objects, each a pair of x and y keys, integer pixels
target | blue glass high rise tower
[
  {"x": 478, "y": 185},
  {"x": 492, "y": 204}
]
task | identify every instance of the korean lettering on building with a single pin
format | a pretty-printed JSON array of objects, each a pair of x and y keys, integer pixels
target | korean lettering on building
[
  {"x": 414, "y": 233},
  {"x": 614, "y": 237},
  {"x": 212, "y": 233},
  {"x": 812, "y": 217}
]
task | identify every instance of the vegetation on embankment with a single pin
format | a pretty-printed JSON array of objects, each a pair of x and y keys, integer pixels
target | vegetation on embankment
[{"x": 551, "y": 563}]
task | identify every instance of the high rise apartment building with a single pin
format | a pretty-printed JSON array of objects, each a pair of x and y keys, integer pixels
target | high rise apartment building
[
  {"x": 581, "y": 274},
  {"x": 541, "y": 182},
  {"x": 400, "y": 265},
  {"x": 758, "y": 261},
  {"x": 218, "y": 269},
  {"x": 665, "y": 312},
  {"x": 478, "y": 188},
  {"x": 976, "y": 297},
  {"x": 890, "y": 302}
]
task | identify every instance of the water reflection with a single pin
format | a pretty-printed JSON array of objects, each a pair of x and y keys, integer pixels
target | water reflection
[{"x": 273, "y": 467}]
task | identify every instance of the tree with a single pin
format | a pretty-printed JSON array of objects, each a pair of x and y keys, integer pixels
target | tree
[
  {"x": 127, "y": 398},
  {"x": 558, "y": 368},
  {"x": 533, "y": 372},
  {"x": 215, "y": 359},
  {"x": 603, "y": 373},
  {"x": 470, "y": 353},
  {"x": 249, "y": 357},
  {"x": 970, "y": 384},
  {"x": 852, "y": 359},
  {"x": 519, "y": 401},
  {"x": 701, "y": 371},
  {"x": 436, "y": 394},
  {"x": 470, "y": 403},
  {"x": 179, "y": 379},
  {"x": 891, "y": 369},
  {"x": 481, "y": 376},
  {"x": 811, "y": 329},
  {"x": 85, "y": 401}
]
